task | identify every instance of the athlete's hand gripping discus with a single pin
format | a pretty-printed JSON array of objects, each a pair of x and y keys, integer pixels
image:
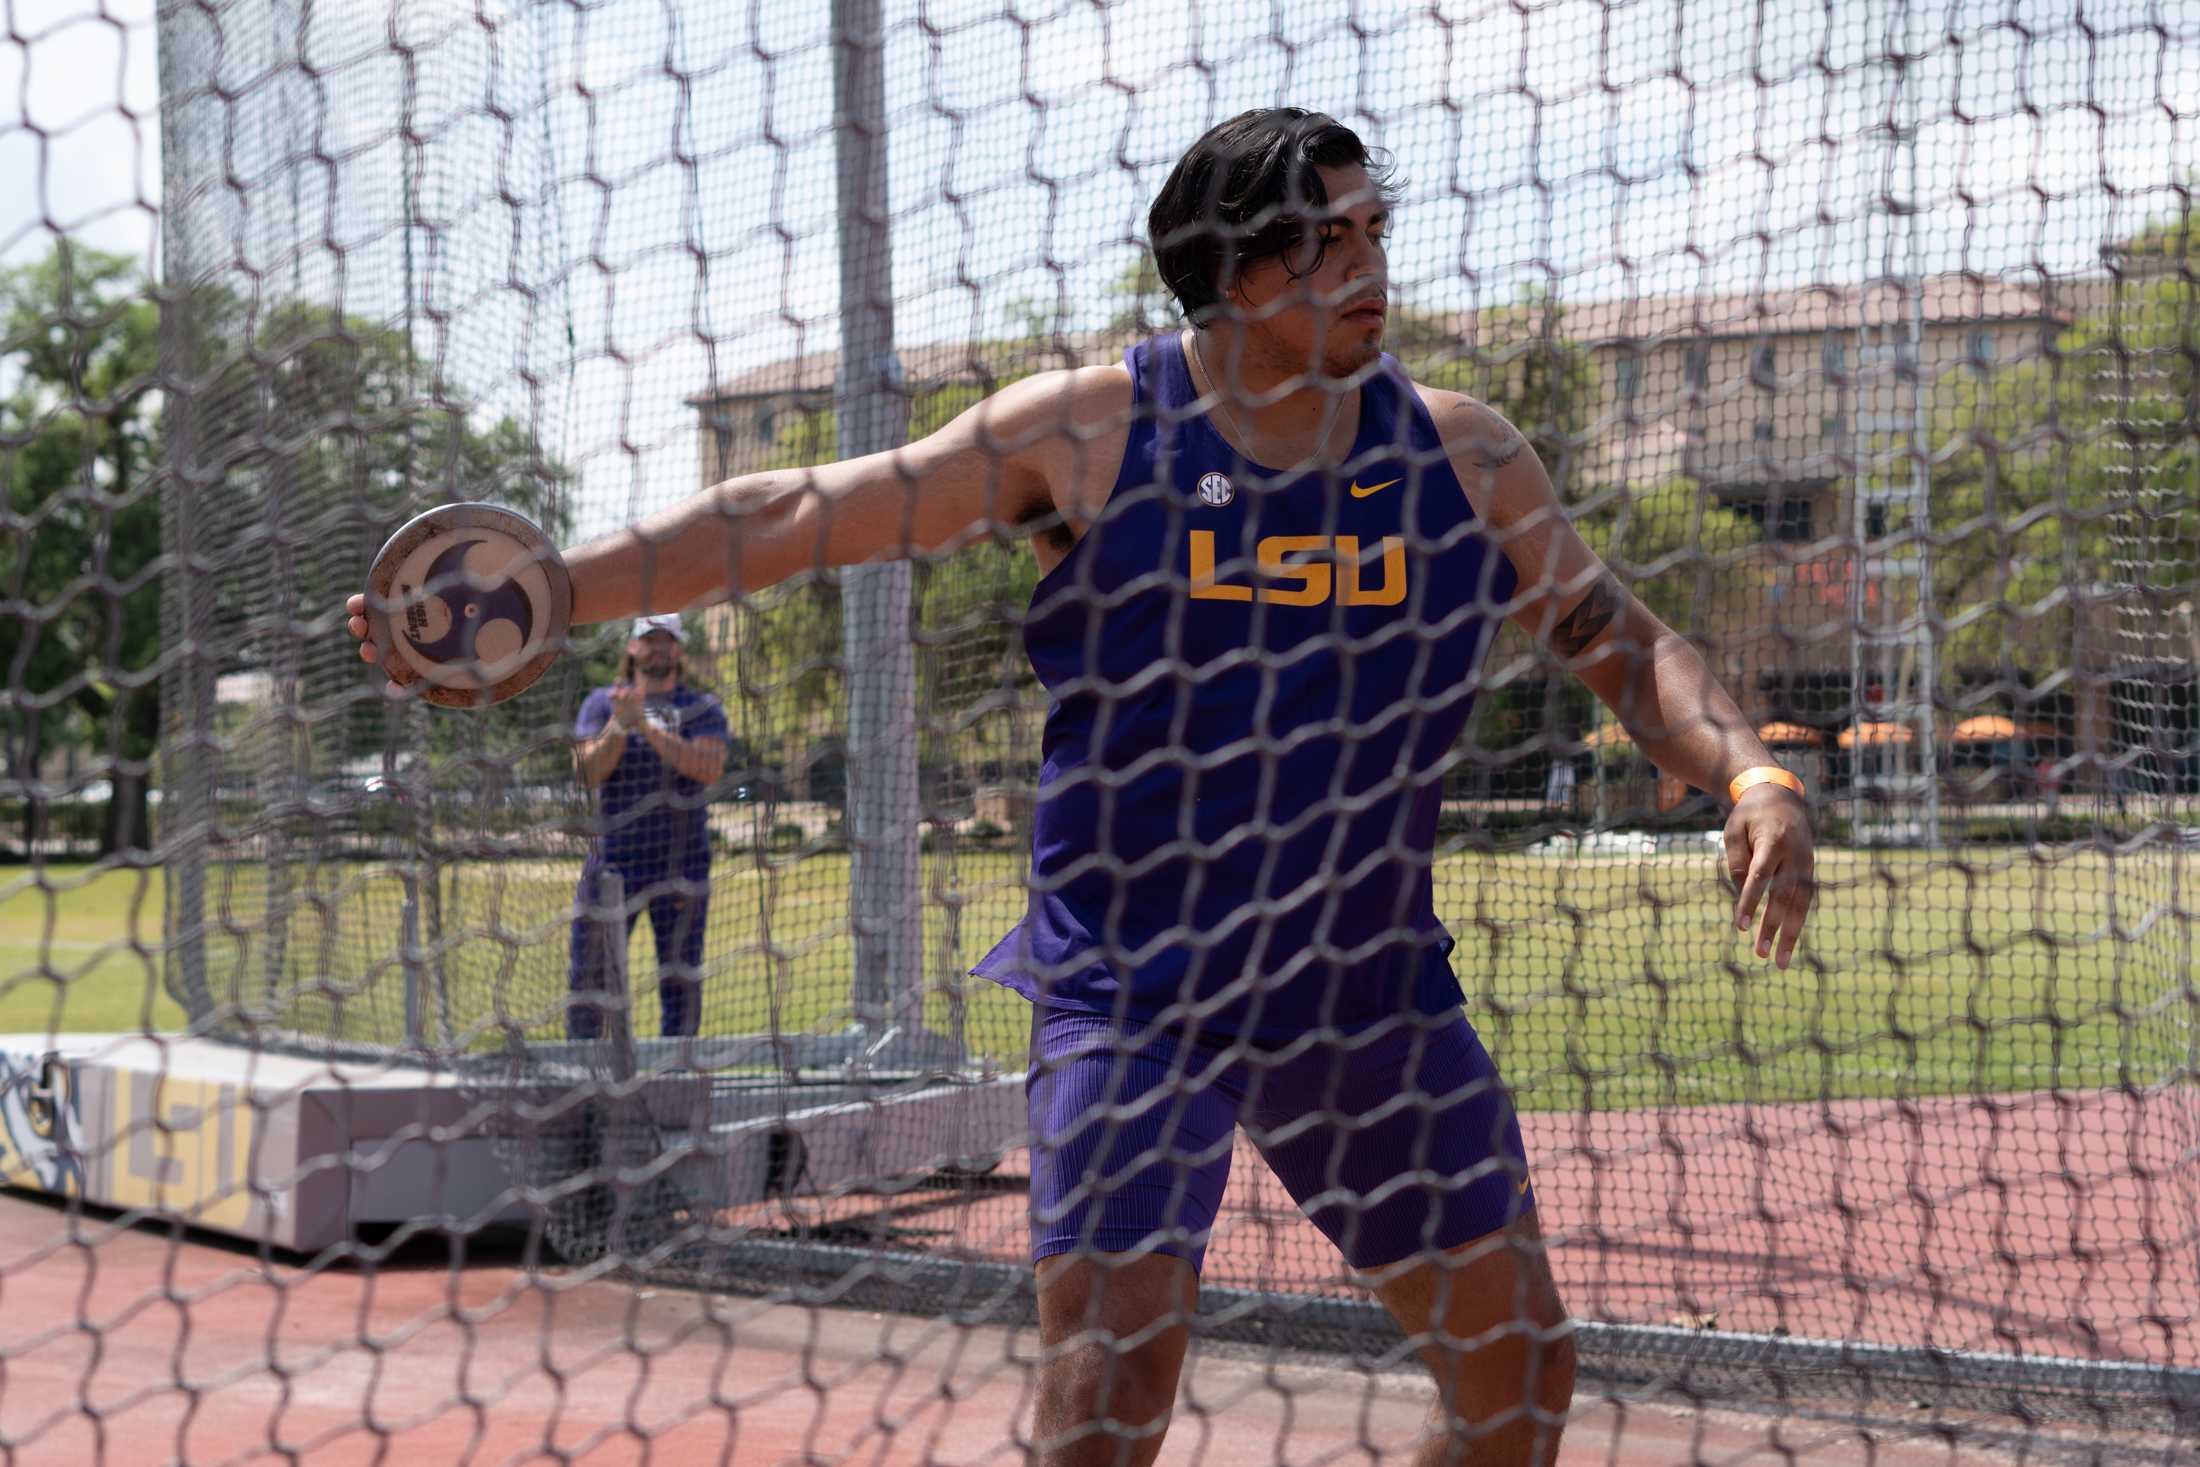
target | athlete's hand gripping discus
[{"x": 467, "y": 604}]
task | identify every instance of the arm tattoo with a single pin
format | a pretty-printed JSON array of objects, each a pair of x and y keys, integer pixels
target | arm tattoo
[
  {"x": 1504, "y": 454},
  {"x": 1590, "y": 616}
]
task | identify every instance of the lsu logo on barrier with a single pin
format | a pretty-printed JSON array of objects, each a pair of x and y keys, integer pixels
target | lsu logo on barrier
[
  {"x": 1305, "y": 570},
  {"x": 39, "y": 1124}
]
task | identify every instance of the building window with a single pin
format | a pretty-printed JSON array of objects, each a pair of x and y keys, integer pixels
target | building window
[
  {"x": 1778, "y": 516},
  {"x": 1764, "y": 364},
  {"x": 1762, "y": 429},
  {"x": 1979, "y": 348},
  {"x": 1875, "y": 520},
  {"x": 1833, "y": 425},
  {"x": 1791, "y": 518},
  {"x": 1888, "y": 355},
  {"x": 1834, "y": 356},
  {"x": 1699, "y": 366},
  {"x": 1629, "y": 377}
]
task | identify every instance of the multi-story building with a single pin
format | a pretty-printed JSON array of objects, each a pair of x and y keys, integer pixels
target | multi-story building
[
  {"x": 1797, "y": 411},
  {"x": 755, "y": 417},
  {"x": 1817, "y": 414},
  {"x": 1803, "y": 412}
]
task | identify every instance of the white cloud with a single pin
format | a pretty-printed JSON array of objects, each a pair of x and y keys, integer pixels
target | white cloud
[{"x": 79, "y": 130}]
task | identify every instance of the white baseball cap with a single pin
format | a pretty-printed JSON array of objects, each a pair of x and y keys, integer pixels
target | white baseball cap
[{"x": 668, "y": 623}]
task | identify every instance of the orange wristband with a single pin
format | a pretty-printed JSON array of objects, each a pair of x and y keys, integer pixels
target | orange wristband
[{"x": 1762, "y": 774}]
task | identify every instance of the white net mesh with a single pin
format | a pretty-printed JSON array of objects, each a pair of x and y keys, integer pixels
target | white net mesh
[{"x": 1858, "y": 339}]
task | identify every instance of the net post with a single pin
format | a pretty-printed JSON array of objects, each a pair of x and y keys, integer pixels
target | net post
[
  {"x": 627, "y": 1140},
  {"x": 606, "y": 910},
  {"x": 1923, "y": 632},
  {"x": 188, "y": 747},
  {"x": 873, "y": 416},
  {"x": 409, "y": 950}
]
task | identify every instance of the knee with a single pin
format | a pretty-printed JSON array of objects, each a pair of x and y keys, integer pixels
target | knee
[
  {"x": 1535, "y": 1366},
  {"x": 1103, "y": 1403},
  {"x": 1507, "y": 1401},
  {"x": 1118, "y": 1373},
  {"x": 1514, "y": 1378},
  {"x": 1549, "y": 1353}
]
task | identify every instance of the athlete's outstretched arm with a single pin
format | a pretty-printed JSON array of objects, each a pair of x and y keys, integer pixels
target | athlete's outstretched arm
[
  {"x": 959, "y": 483},
  {"x": 991, "y": 467},
  {"x": 1652, "y": 677}
]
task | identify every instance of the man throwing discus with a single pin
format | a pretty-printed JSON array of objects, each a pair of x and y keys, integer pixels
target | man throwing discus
[
  {"x": 648, "y": 748},
  {"x": 1271, "y": 567}
]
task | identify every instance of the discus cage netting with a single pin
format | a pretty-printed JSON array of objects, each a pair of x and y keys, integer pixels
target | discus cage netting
[{"x": 1860, "y": 339}]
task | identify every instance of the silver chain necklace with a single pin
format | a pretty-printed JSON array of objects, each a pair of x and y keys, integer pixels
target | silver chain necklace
[{"x": 1199, "y": 355}]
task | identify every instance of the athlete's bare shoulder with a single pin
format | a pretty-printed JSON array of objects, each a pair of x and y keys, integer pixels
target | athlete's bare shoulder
[
  {"x": 1072, "y": 402},
  {"x": 1471, "y": 429},
  {"x": 1069, "y": 428},
  {"x": 1494, "y": 464}
]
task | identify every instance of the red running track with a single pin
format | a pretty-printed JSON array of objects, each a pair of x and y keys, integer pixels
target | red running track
[
  {"x": 2033, "y": 1224},
  {"x": 132, "y": 1347}
]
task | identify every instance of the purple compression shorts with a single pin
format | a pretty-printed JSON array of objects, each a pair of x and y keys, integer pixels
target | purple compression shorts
[{"x": 1396, "y": 1141}]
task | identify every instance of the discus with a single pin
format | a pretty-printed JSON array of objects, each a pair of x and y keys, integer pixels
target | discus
[{"x": 467, "y": 604}]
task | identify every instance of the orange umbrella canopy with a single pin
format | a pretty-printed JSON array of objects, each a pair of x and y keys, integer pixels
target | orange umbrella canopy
[
  {"x": 1991, "y": 728},
  {"x": 1775, "y": 734},
  {"x": 1875, "y": 733}
]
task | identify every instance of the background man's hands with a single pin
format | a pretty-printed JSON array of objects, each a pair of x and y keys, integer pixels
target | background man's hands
[{"x": 629, "y": 706}]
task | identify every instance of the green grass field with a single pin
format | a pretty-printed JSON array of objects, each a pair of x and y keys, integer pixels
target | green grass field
[
  {"x": 80, "y": 950},
  {"x": 1603, "y": 982}
]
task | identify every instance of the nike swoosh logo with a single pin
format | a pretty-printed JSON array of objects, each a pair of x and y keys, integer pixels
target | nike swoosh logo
[{"x": 1361, "y": 491}]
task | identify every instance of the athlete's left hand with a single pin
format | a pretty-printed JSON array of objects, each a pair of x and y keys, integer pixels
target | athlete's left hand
[{"x": 1770, "y": 857}]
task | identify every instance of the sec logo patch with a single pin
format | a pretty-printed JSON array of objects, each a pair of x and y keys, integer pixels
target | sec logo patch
[{"x": 1215, "y": 490}]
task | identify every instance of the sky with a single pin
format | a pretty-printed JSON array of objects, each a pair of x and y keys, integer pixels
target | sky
[{"x": 592, "y": 239}]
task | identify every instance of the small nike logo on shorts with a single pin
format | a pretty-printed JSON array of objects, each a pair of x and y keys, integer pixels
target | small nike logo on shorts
[
  {"x": 1361, "y": 491},
  {"x": 1522, "y": 1189}
]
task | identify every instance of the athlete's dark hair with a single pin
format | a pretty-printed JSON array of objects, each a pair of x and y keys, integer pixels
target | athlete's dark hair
[{"x": 1248, "y": 191}]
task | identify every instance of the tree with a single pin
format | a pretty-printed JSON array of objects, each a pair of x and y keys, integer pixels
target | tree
[
  {"x": 2067, "y": 479},
  {"x": 331, "y": 431},
  {"x": 301, "y": 438},
  {"x": 965, "y": 607},
  {"x": 1036, "y": 321},
  {"x": 1691, "y": 560},
  {"x": 1142, "y": 303},
  {"x": 81, "y": 635},
  {"x": 1520, "y": 362},
  {"x": 2166, "y": 243}
]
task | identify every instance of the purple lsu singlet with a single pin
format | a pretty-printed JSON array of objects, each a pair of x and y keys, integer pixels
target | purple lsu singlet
[{"x": 1257, "y": 679}]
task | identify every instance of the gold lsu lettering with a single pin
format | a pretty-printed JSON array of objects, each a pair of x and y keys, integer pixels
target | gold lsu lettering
[{"x": 1332, "y": 567}]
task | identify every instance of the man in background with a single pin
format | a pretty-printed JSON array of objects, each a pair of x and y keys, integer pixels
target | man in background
[{"x": 649, "y": 747}]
